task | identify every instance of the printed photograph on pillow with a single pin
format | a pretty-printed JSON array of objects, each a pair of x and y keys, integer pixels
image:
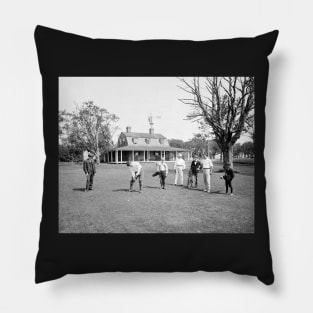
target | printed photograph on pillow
[{"x": 156, "y": 154}]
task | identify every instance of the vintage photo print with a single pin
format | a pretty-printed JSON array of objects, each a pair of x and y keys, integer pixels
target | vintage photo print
[{"x": 156, "y": 155}]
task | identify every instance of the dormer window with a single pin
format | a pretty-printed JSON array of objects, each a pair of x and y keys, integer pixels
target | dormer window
[
  {"x": 161, "y": 141},
  {"x": 135, "y": 140},
  {"x": 147, "y": 140}
]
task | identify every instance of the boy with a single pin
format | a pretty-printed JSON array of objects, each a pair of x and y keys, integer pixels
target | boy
[
  {"x": 136, "y": 172},
  {"x": 163, "y": 171},
  {"x": 228, "y": 177},
  {"x": 89, "y": 168}
]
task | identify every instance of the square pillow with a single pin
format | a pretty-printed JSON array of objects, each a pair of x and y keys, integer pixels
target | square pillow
[{"x": 92, "y": 90}]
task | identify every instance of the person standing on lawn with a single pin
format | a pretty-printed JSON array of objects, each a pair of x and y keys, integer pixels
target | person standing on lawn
[
  {"x": 179, "y": 166},
  {"x": 89, "y": 168},
  {"x": 228, "y": 177},
  {"x": 162, "y": 168},
  {"x": 137, "y": 173},
  {"x": 207, "y": 167},
  {"x": 195, "y": 168}
]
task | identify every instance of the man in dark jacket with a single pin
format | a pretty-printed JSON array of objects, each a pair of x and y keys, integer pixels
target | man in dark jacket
[
  {"x": 195, "y": 168},
  {"x": 89, "y": 168},
  {"x": 228, "y": 177}
]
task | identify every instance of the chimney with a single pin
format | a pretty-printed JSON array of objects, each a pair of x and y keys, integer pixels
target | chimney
[
  {"x": 128, "y": 129},
  {"x": 151, "y": 131}
]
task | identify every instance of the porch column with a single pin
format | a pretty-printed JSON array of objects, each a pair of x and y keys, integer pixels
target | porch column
[
  {"x": 111, "y": 156},
  {"x": 116, "y": 156},
  {"x": 133, "y": 153},
  {"x": 121, "y": 157},
  {"x": 176, "y": 155},
  {"x": 144, "y": 155}
]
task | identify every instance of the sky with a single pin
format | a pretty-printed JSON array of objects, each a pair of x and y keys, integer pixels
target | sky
[{"x": 133, "y": 100}]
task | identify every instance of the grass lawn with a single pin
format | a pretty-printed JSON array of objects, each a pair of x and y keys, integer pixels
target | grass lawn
[{"x": 110, "y": 208}]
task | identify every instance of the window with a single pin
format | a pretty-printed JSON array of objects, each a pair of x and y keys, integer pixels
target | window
[
  {"x": 135, "y": 140},
  {"x": 147, "y": 140},
  {"x": 161, "y": 141}
]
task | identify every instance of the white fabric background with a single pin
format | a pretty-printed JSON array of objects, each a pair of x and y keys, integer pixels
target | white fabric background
[{"x": 288, "y": 155}]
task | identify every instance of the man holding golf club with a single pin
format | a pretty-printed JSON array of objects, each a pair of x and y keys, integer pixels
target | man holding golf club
[{"x": 137, "y": 173}]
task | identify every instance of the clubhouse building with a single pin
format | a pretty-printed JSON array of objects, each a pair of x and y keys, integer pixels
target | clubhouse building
[{"x": 143, "y": 147}]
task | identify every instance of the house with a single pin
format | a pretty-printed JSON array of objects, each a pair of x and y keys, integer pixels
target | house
[{"x": 143, "y": 147}]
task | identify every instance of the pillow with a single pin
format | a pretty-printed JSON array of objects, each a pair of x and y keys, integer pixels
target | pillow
[{"x": 92, "y": 90}]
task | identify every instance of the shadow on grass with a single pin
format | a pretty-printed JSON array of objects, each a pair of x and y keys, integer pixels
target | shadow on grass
[
  {"x": 124, "y": 190},
  {"x": 201, "y": 190},
  {"x": 151, "y": 187},
  {"x": 117, "y": 190},
  {"x": 79, "y": 189}
]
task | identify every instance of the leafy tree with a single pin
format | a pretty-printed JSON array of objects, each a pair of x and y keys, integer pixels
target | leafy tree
[
  {"x": 200, "y": 145},
  {"x": 88, "y": 126},
  {"x": 248, "y": 149},
  {"x": 213, "y": 148},
  {"x": 64, "y": 125},
  {"x": 177, "y": 143},
  {"x": 222, "y": 106},
  {"x": 237, "y": 150}
]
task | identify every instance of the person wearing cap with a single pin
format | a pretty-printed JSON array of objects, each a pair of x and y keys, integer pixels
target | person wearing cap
[
  {"x": 207, "y": 167},
  {"x": 228, "y": 177},
  {"x": 179, "y": 167},
  {"x": 162, "y": 168},
  {"x": 137, "y": 173},
  {"x": 89, "y": 168}
]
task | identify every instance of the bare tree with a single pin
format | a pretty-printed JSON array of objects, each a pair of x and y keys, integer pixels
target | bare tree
[{"x": 223, "y": 106}]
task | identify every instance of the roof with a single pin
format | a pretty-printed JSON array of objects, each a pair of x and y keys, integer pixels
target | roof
[
  {"x": 143, "y": 135},
  {"x": 148, "y": 148}
]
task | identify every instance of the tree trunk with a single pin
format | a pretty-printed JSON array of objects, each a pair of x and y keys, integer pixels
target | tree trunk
[{"x": 228, "y": 154}]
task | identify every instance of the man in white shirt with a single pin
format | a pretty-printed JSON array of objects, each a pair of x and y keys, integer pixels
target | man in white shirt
[
  {"x": 136, "y": 172},
  {"x": 207, "y": 167},
  {"x": 179, "y": 166},
  {"x": 85, "y": 154},
  {"x": 162, "y": 168}
]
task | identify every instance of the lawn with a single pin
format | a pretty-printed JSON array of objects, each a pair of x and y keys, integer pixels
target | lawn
[{"x": 110, "y": 208}]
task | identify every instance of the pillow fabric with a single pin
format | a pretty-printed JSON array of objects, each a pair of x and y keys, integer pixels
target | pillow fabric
[{"x": 63, "y": 55}]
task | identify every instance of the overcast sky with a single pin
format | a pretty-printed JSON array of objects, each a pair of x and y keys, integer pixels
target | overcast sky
[{"x": 133, "y": 99}]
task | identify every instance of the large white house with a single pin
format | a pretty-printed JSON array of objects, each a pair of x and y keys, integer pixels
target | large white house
[{"x": 143, "y": 147}]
